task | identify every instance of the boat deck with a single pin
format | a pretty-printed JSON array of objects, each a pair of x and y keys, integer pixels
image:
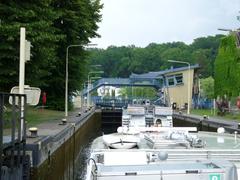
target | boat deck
[{"x": 213, "y": 141}]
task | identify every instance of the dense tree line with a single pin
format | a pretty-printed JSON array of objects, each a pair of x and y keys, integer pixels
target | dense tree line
[
  {"x": 51, "y": 26},
  {"x": 122, "y": 61}
]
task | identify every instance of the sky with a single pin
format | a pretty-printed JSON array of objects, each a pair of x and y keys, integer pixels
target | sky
[{"x": 140, "y": 22}]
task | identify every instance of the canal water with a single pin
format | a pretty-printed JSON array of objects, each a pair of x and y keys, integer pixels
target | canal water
[
  {"x": 84, "y": 154},
  {"x": 82, "y": 159}
]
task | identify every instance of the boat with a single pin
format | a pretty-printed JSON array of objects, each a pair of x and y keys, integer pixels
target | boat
[
  {"x": 120, "y": 141},
  {"x": 168, "y": 154},
  {"x": 163, "y": 151},
  {"x": 138, "y": 115}
]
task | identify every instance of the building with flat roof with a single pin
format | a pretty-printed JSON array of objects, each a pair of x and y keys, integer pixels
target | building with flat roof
[{"x": 173, "y": 82}]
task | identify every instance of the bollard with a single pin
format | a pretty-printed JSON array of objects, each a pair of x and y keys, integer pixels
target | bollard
[
  {"x": 235, "y": 135},
  {"x": 33, "y": 131},
  {"x": 200, "y": 126},
  {"x": 79, "y": 114},
  {"x": 205, "y": 117},
  {"x": 64, "y": 121},
  {"x": 220, "y": 130}
]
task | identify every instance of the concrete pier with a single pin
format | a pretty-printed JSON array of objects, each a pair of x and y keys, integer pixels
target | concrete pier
[{"x": 53, "y": 152}]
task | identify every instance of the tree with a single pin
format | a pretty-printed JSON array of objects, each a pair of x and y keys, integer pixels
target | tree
[
  {"x": 202, "y": 57},
  {"x": 37, "y": 17},
  {"x": 122, "y": 61},
  {"x": 51, "y": 26},
  {"x": 227, "y": 68},
  {"x": 207, "y": 88}
]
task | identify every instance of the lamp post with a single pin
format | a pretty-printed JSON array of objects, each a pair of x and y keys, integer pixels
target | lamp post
[
  {"x": 92, "y": 79},
  {"x": 189, "y": 87},
  {"x": 66, "y": 79},
  {"x": 88, "y": 89},
  {"x": 66, "y": 76},
  {"x": 96, "y": 65}
]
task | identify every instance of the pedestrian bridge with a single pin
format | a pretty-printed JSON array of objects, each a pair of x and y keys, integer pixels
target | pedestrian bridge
[
  {"x": 159, "y": 80},
  {"x": 121, "y": 82},
  {"x": 151, "y": 79},
  {"x": 121, "y": 102}
]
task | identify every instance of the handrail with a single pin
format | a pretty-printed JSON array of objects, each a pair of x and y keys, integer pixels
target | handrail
[{"x": 95, "y": 164}]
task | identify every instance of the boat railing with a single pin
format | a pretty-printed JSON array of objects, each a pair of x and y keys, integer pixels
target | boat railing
[{"x": 186, "y": 154}]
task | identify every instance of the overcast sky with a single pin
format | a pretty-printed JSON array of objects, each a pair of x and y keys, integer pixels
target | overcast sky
[{"x": 140, "y": 22}]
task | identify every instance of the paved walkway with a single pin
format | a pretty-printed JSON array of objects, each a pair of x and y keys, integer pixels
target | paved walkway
[
  {"x": 50, "y": 128},
  {"x": 54, "y": 127}
]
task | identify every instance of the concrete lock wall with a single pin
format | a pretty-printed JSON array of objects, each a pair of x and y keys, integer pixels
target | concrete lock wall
[{"x": 60, "y": 164}]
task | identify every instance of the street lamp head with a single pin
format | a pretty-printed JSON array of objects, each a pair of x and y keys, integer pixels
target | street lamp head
[
  {"x": 96, "y": 65},
  {"x": 97, "y": 77},
  {"x": 172, "y": 61},
  {"x": 223, "y": 29},
  {"x": 96, "y": 72},
  {"x": 182, "y": 62},
  {"x": 88, "y": 46},
  {"x": 91, "y": 44}
]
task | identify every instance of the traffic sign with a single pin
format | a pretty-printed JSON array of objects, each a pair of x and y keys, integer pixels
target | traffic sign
[{"x": 32, "y": 93}]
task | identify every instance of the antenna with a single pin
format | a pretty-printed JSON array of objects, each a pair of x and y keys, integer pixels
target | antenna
[
  {"x": 222, "y": 29},
  {"x": 238, "y": 17}
]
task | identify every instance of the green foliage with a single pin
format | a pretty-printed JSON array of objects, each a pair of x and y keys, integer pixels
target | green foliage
[
  {"x": 227, "y": 68},
  {"x": 51, "y": 25},
  {"x": 122, "y": 61},
  {"x": 207, "y": 88}
]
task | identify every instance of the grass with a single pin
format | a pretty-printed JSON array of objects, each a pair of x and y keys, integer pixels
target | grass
[
  {"x": 37, "y": 116},
  {"x": 202, "y": 112},
  {"x": 209, "y": 112},
  {"x": 33, "y": 117}
]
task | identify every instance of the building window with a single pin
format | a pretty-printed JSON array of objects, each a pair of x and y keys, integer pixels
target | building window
[
  {"x": 179, "y": 78},
  {"x": 170, "y": 81},
  {"x": 175, "y": 80}
]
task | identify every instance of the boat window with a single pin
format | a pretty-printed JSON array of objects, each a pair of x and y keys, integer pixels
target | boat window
[{"x": 158, "y": 122}]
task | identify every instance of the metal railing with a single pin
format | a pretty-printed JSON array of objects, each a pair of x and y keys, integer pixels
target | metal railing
[
  {"x": 121, "y": 82},
  {"x": 12, "y": 134}
]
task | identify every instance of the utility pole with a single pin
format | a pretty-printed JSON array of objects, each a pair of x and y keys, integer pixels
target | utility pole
[{"x": 22, "y": 74}]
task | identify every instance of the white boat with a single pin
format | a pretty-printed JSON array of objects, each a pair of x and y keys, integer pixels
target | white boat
[
  {"x": 165, "y": 152},
  {"x": 168, "y": 154}
]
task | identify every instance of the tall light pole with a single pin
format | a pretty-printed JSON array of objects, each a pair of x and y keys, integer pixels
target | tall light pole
[
  {"x": 66, "y": 80},
  {"x": 92, "y": 79},
  {"x": 88, "y": 88},
  {"x": 96, "y": 65},
  {"x": 189, "y": 84}
]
